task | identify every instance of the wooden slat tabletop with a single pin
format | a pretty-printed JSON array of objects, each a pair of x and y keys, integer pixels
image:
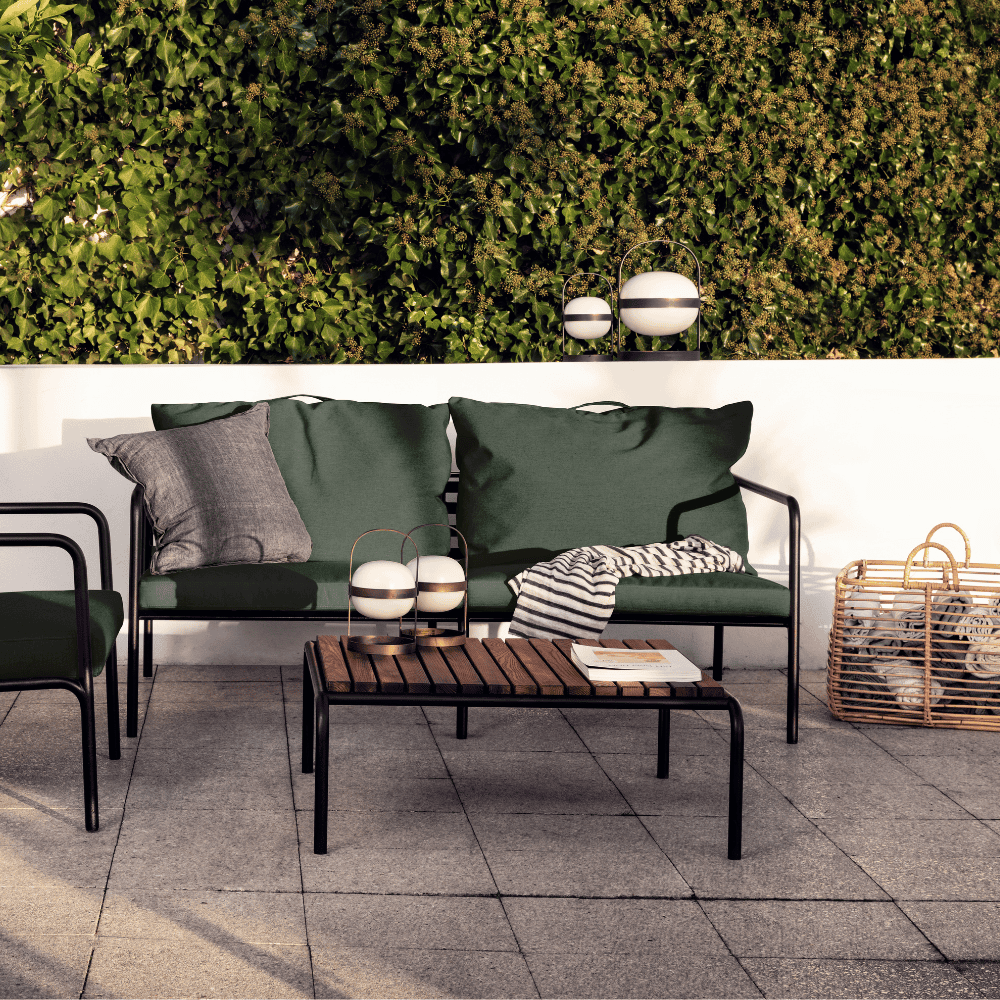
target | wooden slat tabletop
[{"x": 489, "y": 667}]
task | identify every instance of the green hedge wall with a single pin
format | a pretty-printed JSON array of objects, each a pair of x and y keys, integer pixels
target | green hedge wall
[{"x": 408, "y": 181}]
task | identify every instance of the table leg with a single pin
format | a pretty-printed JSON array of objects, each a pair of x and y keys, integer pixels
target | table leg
[
  {"x": 461, "y": 722},
  {"x": 735, "y": 780},
  {"x": 321, "y": 804},
  {"x": 663, "y": 744},
  {"x": 308, "y": 715}
]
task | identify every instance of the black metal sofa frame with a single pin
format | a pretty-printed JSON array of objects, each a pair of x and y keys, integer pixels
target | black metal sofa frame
[{"x": 141, "y": 549}]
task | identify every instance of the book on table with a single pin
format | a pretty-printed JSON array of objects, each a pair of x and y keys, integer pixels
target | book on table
[{"x": 629, "y": 665}]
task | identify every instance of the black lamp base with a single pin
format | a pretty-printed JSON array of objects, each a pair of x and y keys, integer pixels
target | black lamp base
[
  {"x": 588, "y": 357},
  {"x": 659, "y": 356}
]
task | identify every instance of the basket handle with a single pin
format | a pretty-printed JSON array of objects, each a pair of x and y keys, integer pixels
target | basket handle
[
  {"x": 948, "y": 524},
  {"x": 925, "y": 546}
]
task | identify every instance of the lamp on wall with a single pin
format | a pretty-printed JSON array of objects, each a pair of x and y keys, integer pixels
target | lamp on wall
[
  {"x": 587, "y": 318},
  {"x": 659, "y": 304}
]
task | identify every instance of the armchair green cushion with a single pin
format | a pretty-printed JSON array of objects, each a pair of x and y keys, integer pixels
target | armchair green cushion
[
  {"x": 537, "y": 480},
  {"x": 350, "y": 466},
  {"x": 38, "y": 632}
]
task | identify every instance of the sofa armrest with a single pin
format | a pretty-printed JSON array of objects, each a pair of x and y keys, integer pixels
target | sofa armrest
[
  {"x": 794, "y": 536},
  {"x": 71, "y": 507},
  {"x": 80, "y": 592}
]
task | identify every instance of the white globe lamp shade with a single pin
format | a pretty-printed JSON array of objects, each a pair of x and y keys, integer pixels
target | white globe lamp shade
[
  {"x": 587, "y": 318},
  {"x": 382, "y": 574},
  {"x": 438, "y": 569},
  {"x": 658, "y": 303}
]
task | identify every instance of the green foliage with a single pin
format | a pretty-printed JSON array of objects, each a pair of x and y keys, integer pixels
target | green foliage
[{"x": 404, "y": 181}]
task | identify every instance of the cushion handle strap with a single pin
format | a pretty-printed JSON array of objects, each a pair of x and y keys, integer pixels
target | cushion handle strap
[
  {"x": 311, "y": 395},
  {"x": 602, "y": 402}
]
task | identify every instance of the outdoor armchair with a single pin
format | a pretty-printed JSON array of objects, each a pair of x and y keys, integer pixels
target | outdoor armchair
[{"x": 62, "y": 638}]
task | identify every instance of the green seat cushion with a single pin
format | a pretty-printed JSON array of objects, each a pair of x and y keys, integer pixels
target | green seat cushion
[
  {"x": 537, "y": 481},
  {"x": 693, "y": 594},
  {"x": 38, "y": 632},
  {"x": 322, "y": 586},
  {"x": 350, "y": 467}
]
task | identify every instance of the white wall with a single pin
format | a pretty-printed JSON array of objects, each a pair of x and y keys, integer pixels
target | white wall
[{"x": 877, "y": 452}]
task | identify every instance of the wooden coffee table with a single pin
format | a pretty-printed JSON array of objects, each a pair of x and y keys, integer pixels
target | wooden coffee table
[{"x": 534, "y": 673}]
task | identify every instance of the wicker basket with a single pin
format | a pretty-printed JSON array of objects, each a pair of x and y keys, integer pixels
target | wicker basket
[{"x": 917, "y": 643}]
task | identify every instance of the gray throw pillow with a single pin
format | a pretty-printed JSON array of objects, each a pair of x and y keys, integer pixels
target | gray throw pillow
[{"x": 213, "y": 492}]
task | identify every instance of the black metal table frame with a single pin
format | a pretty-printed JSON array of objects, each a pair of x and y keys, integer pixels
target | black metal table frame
[{"x": 316, "y": 702}]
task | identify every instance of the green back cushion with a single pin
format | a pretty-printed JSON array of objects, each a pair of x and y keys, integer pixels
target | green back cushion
[
  {"x": 536, "y": 481},
  {"x": 351, "y": 466}
]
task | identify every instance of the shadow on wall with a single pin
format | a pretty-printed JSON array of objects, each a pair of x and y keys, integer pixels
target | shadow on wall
[{"x": 69, "y": 471}]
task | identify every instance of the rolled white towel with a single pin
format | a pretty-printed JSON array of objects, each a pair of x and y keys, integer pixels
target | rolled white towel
[
  {"x": 982, "y": 622},
  {"x": 983, "y": 660},
  {"x": 906, "y": 681}
]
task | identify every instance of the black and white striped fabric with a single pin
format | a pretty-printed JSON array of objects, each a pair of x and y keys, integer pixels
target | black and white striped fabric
[{"x": 573, "y": 595}]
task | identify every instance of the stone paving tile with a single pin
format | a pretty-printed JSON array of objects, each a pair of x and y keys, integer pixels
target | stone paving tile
[
  {"x": 38, "y": 769},
  {"x": 613, "y": 927},
  {"x": 384, "y": 830},
  {"x": 922, "y": 838},
  {"x": 125, "y": 967},
  {"x": 50, "y": 847},
  {"x": 412, "y": 972},
  {"x": 216, "y": 777},
  {"x": 817, "y": 929},
  {"x": 697, "y": 786},
  {"x": 846, "y": 743},
  {"x": 960, "y": 931},
  {"x": 641, "y": 738},
  {"x": 572, "y": 833},
  {"x": 651, "y": 974},
  {"x": 207, "y": 849},
  {"x": 227, "y": 919},
  {"x": 558, "y": 873},
  {"x": 245, "y": 725},
  {"x": 972, "y": 781},
  {"x": 925, "y": 741},
  {"x": 784, "y": 857},
  {"x": 377, "y": 793},
  {"x": 44, "y": 965},
  {"x": 984, "y": 976},
  {"x": 440, "y": 869},
  {"x": 216, "y": 693},
  {"x": 532, "y": 782},
  {"x": 212, "y": 673},
  {"x": 397, "y": 872},
  {"x": 923, "y": 859},
  {"x": 28, "y": 911},
  {"x": 820, "y": 979},
  {"x": 506, "y": 729},
  {"x": 454, "y": 923},
  {"x": 837, "y": 786}
]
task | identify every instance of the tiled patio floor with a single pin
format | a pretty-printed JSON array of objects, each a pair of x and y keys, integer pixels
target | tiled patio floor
[{"x": 541, "y": 857}]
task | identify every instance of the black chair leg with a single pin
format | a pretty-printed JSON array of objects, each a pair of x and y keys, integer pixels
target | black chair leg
[
  {"x": 717, "y": 652},
  {"x": 132, "y": 682},
  {"x": 663, "y": 744},
  {"x": 792, "y": 708},
  {"x": 462, "y": 722},
  {"x": 321, "y": 803},
  {"x": 89, "y": 741},
  {"x": 735, "y": 780},
  {"x": 114, "y": 730},
  {"x": 147, "y": 648},
  {"x": 308, "y": 718}
]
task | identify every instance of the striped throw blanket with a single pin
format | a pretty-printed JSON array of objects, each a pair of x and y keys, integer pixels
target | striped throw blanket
[{"x": 573, "y": 595}]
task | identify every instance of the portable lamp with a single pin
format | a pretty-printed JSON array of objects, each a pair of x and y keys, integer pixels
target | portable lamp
[
  {"x": 659, "y": 304},
  {"x": 382, "y": 589},
  {"x": 442, "y": 585},
  {"x": 586, "y": 318}
]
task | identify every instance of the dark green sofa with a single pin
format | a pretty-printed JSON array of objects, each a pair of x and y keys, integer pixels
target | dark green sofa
[{"x": 352, "y": 466}]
